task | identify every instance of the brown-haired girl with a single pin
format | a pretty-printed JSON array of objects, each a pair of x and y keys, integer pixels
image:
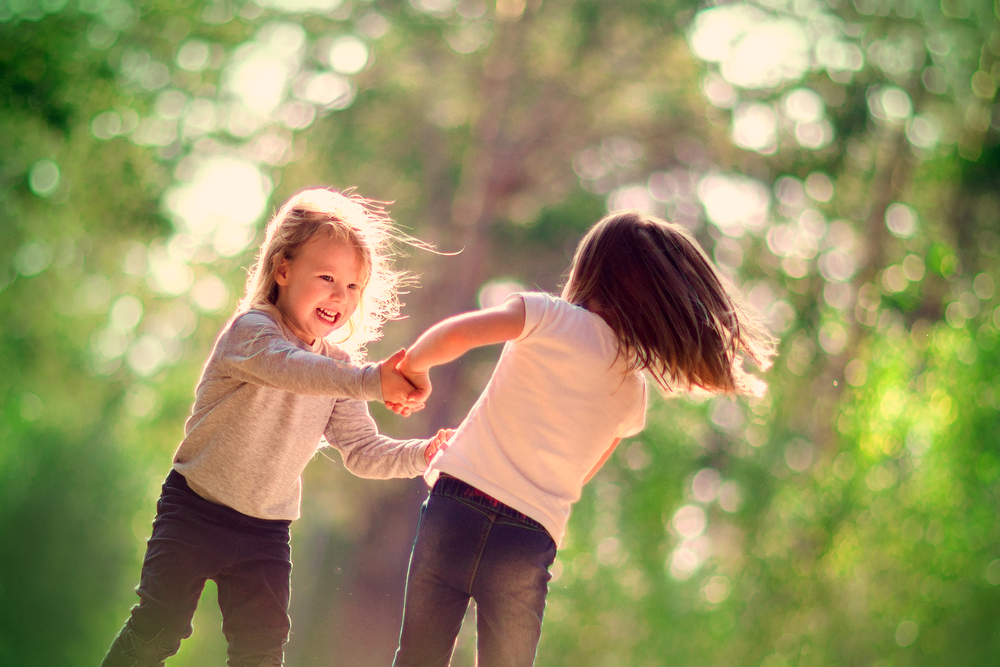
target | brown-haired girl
[
  {"x": 273, "y": 387},
  {"x": 641, "y": 295}
]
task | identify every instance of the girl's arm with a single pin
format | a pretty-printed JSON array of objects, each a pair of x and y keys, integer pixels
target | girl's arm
[
  {"x": 255, "y": 350},
  {"x": 604, "y": 459},
  {"x": 370, "y": 454},
  {"x": 451, "y": 338}
]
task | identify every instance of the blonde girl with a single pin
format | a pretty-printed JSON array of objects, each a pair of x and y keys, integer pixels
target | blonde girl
[
  {"x": 641, "y": 296},
  {"x": 274, "y": 385}
]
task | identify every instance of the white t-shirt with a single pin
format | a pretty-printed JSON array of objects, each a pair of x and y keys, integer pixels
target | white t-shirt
[{"x": 557, "y": 400}]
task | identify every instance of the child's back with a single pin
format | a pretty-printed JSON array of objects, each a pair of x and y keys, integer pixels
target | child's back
[
  {"x": 641, "y": 295},
  {"x": 559, "y": 396}
]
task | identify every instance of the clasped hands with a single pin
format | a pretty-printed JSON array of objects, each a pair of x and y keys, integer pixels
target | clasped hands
[{"x": 404, "y": 391}]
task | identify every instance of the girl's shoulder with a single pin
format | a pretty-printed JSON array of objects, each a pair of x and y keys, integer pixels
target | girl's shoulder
[
  {"x": 542, "y": 309},
  {"x": 542, "y": 305},
  {"x": 255, "y": 320},
  {"x": 256, "y": 326},
  {"x": 556, "y": 321}
]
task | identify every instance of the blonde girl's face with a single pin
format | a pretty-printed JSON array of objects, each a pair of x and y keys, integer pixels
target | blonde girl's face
[{"x": 320, "y": 289}]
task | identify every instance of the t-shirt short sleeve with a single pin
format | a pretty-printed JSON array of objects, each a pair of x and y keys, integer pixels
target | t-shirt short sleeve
[
  {"x": 535, "y": 305},
  {"x": 637, "y": 421}
]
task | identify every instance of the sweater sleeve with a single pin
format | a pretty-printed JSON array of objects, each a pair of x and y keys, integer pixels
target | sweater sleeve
[
  {"x": 366, "y": 452},
  {"x": 255, "y": 350}
]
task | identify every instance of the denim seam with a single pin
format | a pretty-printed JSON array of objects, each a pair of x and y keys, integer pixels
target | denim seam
[
  {"x": 479, "y": 552},
  {"x": 481, "y": 509}
]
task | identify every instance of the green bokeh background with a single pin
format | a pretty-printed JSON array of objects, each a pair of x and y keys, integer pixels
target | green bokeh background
[{"x": 847, "y": 518}]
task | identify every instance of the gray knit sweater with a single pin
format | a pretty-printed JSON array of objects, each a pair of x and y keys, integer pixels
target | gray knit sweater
[{"x": 264, "y": 401}]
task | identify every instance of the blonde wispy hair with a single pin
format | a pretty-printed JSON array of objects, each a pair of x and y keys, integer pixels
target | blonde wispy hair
[
  {"x": 348, "y": 218},
  {"x": 674, "y": 315}
]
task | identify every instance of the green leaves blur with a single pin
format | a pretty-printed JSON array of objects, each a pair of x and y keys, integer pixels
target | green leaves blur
[{"x": 847, "y": 517}]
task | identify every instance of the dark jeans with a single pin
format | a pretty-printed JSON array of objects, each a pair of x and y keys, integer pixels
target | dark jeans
[
  {"x": 194, "y": 540},
  {"x": 471, "y": 545}
]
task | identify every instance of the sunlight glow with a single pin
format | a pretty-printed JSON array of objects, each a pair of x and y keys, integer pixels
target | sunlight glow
[
  {"x": 471, "y": 37},
  {"x": 126, "y": 313},
  {"x": 439, "y": 7},
  {"x": 689, "y": 556},
  {"x": 832, "y": 337},
  {"x": 705, "y": 485},
  {"x": 907, "y": 633},
  {"x": 43, "y": 178},
  {"x": 819, "y": 187},
  {"x": 799, "y": 455},
  {"x": 730, "y": 497},
  {"x": 259, "y": 80},
  {"x": 223, "y": 200},
  {"x": 634, "y": 196},
  {"x": 496, "y": 292},
  {"x": 326, "y": 89},
  {"x": 755, "y": 127},
  {"x": 716, "y": 589},
  {"x": 194, "y": 55},
  {"x": 769, "y": 54},
  {"x": 837, "y": 267},
  {"x": 168, "y": 275},
  {"x": 839, "y": 56},
  {"x": 32, "y": 258},
  {"x": 170, "y": 104},
  {"x": 804, "y": 105},
  {"x": 718, "y": 91},
  {"x": 296, "y": 115},
  {"x": 301, "y": 6},
  {"x": 888, "y": 103},
  {"x": 690, "y": 521},
  {"x": 715, "y": 30},
  {"x": 893, "y": 280},
  {"x": 110, "y": 344},
  {"x": 348, "y": 55},
  {"x": 901, "y": 220},
  {"x": 734, "y": 203},
  {"x": 599, "y": 167},
  {"x": 923, "y": 131},
  {"x": 209, "y": 294},
  {"x": 147, "y": 355},
  {"x": 260, "y": 72},
  {"x": 754, "y": 49}
]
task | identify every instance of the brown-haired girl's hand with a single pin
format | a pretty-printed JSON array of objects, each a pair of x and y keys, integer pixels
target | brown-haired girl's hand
[
  {"x": 421, "y": 380},
  {"x": 398, "y": 393},
  {"x": 438, "y": 443}
]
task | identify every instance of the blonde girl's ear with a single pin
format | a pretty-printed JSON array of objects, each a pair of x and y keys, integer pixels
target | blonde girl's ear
[{"x": 281, "y": 272}]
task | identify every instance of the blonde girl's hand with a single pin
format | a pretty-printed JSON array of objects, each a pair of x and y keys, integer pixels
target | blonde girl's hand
[
  {"x": 438, "y": 443},
  {"x": 397, "y": 393},
  {"x": 421, "y": 380}
]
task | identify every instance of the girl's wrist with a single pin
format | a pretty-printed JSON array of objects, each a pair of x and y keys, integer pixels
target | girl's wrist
[{"x": 407, "y": 366}]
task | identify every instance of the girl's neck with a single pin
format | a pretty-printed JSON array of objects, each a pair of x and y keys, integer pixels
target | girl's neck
[{"x": 594, "y": 306}]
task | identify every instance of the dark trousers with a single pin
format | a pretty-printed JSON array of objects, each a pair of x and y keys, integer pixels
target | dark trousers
[
  {"x": 195, "y": 540},
  {"x": 471, "y": 545}
]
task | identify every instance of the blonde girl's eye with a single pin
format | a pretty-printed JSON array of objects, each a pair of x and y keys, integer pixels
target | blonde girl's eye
[
  {"x": 328, "y": 279},
  {"x": 354, "y": 286}
]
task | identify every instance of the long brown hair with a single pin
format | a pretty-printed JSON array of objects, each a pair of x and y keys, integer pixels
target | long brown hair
[
  {"x": 673, "y": 313},
  {"x": 348, "y": 218}
]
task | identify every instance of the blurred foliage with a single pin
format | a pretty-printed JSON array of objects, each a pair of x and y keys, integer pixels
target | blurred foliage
[{"x": 838, "y": 160}]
